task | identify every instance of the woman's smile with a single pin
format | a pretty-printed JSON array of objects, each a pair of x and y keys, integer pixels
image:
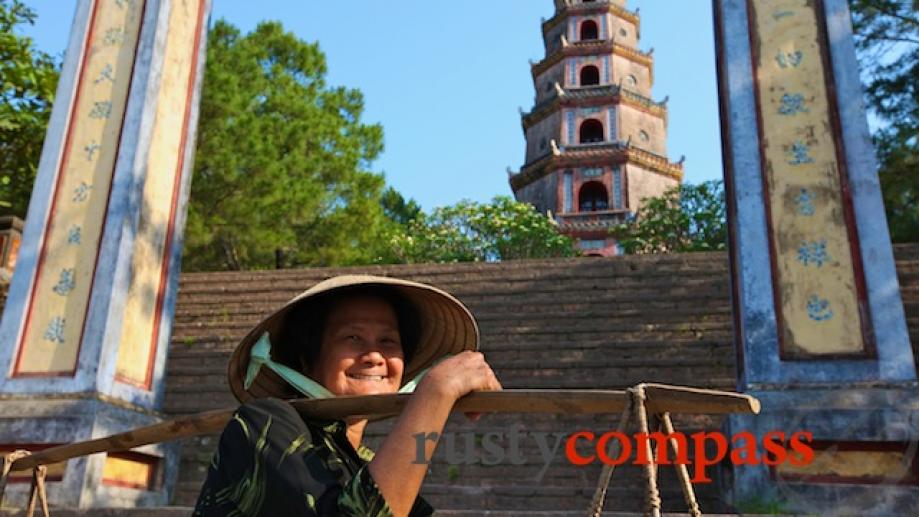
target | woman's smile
[
  {"x": 361, "y": 351},
  {"x": 367, "y": 377}
]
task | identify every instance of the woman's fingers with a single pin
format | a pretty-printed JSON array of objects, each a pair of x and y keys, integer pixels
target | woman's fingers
[{"x": 463, "y": 373}]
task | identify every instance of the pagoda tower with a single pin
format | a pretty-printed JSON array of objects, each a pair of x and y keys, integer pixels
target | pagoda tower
[{"x": 596, "y": 141}]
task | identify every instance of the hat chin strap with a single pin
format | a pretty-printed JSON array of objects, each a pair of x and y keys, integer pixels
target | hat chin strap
[{"x": 260, "y": 355}]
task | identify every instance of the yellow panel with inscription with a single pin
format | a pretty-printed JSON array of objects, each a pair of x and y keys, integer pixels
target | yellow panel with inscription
[
  {"x": 851, "y": 464},
  {"x": 60, "y": 296},
  {"x": 141, "y": 313},
  {"x": 130, "y": 470},
  {"x": 816, "y": 278}
]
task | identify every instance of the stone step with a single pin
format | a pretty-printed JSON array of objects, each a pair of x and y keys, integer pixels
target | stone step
[
  {"x": 186, "y": 359},
  {"x": 269, "y": 285},
  {"x": 550, "y": 303},
  {"x": 570, "y": 324},
  {"x": 653, "y": 299},
  {"x": 182, "y": 343},
  {"x": 496, "y": 280},
  {"x": 531, "y": 267},
  {"x": 202, "y": 366}
]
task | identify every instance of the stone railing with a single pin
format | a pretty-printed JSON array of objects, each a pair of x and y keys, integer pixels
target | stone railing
[
  {"x": 563, "y": 10},
  {"x": 594, "y": 92},
  {"x": 599, "y": 218},
  {"x": 656, "y": 162},
  {"x": 594, "y": 146},
  {"x": 591, "y": 47}
]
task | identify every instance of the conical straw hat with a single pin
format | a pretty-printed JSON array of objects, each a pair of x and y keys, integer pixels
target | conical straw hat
[{"x": 446, "y": 327}]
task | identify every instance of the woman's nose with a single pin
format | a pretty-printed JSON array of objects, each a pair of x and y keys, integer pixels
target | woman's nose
[{"x": 372, "y": 356}]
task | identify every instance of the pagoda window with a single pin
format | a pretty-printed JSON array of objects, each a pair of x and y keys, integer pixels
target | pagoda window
[
  {"x": 593, "y": 197},
  {"x": 590, "y": 75},
  {"x": 589, "y": 30},
  {"x": 591, "y": 131}
]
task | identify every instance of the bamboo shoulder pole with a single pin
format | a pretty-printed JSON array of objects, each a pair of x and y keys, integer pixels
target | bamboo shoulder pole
[
  {"x": 661, "y": 397},
  {"x": 185, "y": 427}
]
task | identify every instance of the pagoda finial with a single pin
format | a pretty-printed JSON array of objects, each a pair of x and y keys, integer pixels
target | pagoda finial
[
  {"x": 651, "y": 51},
  {"x": 666, "y": 98},
  {"x": 682, "y": 159}
]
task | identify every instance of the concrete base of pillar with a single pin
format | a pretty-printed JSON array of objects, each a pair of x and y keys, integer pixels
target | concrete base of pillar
[
  {"x": 866, "y": 452},
  {"x": 31, "y": 422}
]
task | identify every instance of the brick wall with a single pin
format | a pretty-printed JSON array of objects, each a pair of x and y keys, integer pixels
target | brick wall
[{"x": 566, "y": 323}]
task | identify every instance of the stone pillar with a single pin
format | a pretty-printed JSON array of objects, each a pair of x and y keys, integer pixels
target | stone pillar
[
  {"x": 821, "y": 336},
  {"x": 86, "y": 326}
]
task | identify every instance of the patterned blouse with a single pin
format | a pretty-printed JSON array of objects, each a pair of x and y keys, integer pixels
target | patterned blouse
[{"x": 271, "y": 462}]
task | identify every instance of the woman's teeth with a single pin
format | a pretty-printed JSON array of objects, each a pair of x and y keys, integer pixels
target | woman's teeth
[{"x": 367, "y": 377}]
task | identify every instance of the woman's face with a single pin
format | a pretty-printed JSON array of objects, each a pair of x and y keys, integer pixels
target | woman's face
[{"x": 361, "y": 351}]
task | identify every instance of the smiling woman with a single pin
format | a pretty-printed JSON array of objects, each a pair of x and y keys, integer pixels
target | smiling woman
[{"x": 349, "y": 335}]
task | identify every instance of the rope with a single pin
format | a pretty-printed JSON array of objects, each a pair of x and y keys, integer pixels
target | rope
[
  {"x": 636, "y": 408},
  {"x": 8, "y": 461},
  {"x": 653, "y": 496},
  {"x": 596, "y": 506},
  {"x": 38, "y": 492},
  {"x": 689, "y": 495}
]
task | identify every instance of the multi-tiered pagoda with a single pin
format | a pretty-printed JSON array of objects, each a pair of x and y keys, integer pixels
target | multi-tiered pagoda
[{"x": 596, "y": 142}]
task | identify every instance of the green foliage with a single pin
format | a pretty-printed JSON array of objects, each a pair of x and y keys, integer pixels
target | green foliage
[
  {"x": 28, "y": 78},
  {"x": 397, "y": 209},
  {"x": 280, "y": 177},
  {"x": 887, "y": 40},
  {"x": 684, "y": 218},
  {"x": 471, "y": 232}
]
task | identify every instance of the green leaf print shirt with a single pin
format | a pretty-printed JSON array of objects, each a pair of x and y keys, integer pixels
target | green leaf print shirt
[{"x": 271, "y": 462}]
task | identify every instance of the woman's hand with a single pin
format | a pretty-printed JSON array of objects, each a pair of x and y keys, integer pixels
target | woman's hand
[{"x": 459, "y": 375}]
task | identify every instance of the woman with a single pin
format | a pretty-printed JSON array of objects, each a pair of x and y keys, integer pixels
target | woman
[{"x": 349, "y": 335}]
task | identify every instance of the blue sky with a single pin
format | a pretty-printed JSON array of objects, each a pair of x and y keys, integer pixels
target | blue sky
[{"x": 445, "y": 79}]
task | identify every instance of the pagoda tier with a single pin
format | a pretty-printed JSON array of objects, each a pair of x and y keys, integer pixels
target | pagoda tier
[
  {"x": 591, "y": 96},
  {"x": 592, "y": 155},
  {"x": 593, "y": 48},
  {"x": 596, "y": 141}
]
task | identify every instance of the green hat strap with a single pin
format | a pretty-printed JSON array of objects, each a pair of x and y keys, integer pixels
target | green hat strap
[{"x": 261, "y": 356}]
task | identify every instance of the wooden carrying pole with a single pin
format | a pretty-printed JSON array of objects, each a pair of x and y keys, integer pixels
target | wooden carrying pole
[{"x": 661, "y": 398}]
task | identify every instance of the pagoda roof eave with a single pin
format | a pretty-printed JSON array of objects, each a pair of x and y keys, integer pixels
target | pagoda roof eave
[
  {"x": 578, "y": 155},
  {"x": 593, "y": 47},
  {"x": 606, "y": 94},
  {"x": 562, "y": 12}
]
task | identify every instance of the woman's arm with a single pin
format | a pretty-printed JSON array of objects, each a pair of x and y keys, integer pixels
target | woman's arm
[{"x": 395, "y": 467}]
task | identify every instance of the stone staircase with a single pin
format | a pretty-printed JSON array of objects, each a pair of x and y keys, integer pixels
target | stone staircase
[
  {"x": 562, "y": 323},
  {"x": 569, "y": 323}
]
